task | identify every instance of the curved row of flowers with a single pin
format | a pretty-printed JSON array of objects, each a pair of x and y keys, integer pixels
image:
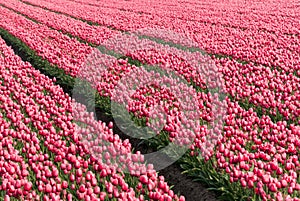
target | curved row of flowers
[
  {"x": 277, "y": 151},
  {"x": 257, "y": 87},
  {"x": 255, "y": 151},
  {"x": 57, "y": 48},
  {"x": 267, "y": 139},
  {"x": 273, "y": 50},
  {"x": 240, "y": 14},
  {"x": 258, "y": 153},
  {"x": 42, "y": 156},
  {"x": 89, "y": 33},
  {"x": 208, "y": 13},
  {"x": 256, "y": 83}
]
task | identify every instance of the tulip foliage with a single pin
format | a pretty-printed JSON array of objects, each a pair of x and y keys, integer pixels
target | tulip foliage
[{"x": 255, "y": 143}]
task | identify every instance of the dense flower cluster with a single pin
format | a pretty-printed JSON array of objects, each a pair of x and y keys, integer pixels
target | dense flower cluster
[
  {"x": 263, "y": 47},
  {"x": 261, "y": 154},
  {"x": 42, "y": 154},
  {"x": 143, "y": 14},
  {"x": 67, "y": 53},
  {"x": 106, "y": 72},
  {"x": 252, "y": 82},
  {"x": 89, "y": 33},
  {"x": 248, "y": 17},
  {"x": 251, "y": 149},
  {"x": 260, "y": 67},
  {"x": 256, "y": 87}
]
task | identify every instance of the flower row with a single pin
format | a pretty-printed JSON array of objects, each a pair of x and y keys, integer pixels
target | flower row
[
  {"x": 261, "y": 86},
  {"x": 277, "y": 152},
  {"x": 207, "y": 13},
  {"x": 89, "y": 33},
  {"x": 59, "y": 49},
  {"x": 272, "y": 50},
  {"x": 276, "y": 144},
  {"x": 278, "y": 93},
  {"x": 43, "y": 154},
  {"x": 267, "y": 16}
]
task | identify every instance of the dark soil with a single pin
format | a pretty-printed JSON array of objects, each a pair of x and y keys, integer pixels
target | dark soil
[
  {"x": 191, "y": 190},
  {"x": 182, "y": 184}
]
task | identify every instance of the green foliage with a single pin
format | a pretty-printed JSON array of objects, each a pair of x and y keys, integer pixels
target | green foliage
[{"x": 215, "y": 179}]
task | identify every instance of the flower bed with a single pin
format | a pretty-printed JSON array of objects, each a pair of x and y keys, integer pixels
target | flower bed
[
  {"x": 42, "y": 156},
  {"x": 132, "y": 20},
  {"x": 254, "y": 87},
  {"x": 248, "y": 45},
  {"x": 260, "y": 143},
  {"x": 248, "y": 17},
  {"x": 89, "y": 33},
  {"x": 57, "y": 48}
]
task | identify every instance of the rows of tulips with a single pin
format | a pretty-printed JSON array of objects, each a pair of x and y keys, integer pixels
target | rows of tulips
[
  {"x": 132, "y": 46},
  {"x": 253, "y": 144},
  {"x": 257, "y": 87},
  {"x": 105, "y": 72},
  {"x": 273, "y": 50},
  {"x": 243, "y": 81},
  {"x": 89, "y": 33},
  {"x": 65, "y": 52},
  {"x": 249, "y": 15},
  {"x": 275, "y": 144},
  {"x": 236, "y": 142},
  {"x": 43, "y": 156},
  {"x": 262, "y": 169},
  {"x": 150, "y": 14}
]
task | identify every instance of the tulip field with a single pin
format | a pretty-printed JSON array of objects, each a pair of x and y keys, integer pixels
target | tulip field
[{"x": 238, "y": 62}]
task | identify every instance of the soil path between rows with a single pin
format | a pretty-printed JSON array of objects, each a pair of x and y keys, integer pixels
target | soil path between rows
[{"x": 182, "y": 184}]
